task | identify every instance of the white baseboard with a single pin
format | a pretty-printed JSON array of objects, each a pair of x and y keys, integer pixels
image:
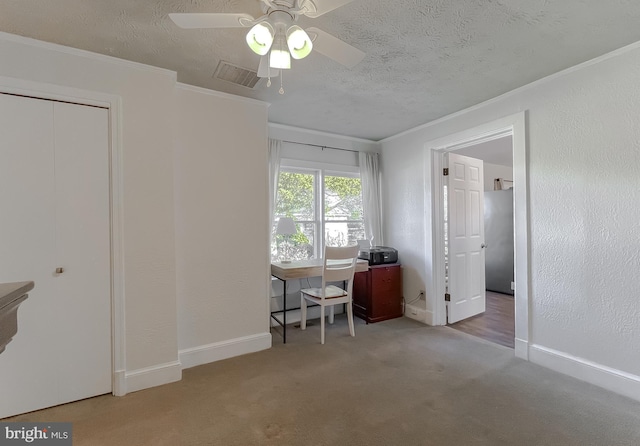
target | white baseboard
[
  {"x": 521, "y": 349},
  {"x": 147, "y": 377},
  {"x": 419, "y": 314},
  {"x": 217, "y": 351},
  {"x": 611, "y": 379}
]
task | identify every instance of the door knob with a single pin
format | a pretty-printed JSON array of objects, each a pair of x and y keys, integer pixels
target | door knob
[
  {"x": 59, "y": 270},
  {"x": 483, "y": 245}
]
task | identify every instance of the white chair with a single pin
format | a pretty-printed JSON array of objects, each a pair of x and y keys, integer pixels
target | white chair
[{"x": 339, "y": 265}]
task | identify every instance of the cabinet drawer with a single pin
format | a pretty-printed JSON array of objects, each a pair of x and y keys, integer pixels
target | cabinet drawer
[
  {"x": 385, "y": 309},
  {"x": 385, "y": 281}
]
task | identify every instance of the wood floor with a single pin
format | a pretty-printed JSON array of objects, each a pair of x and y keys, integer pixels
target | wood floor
[{"x": 496, "y": 324}]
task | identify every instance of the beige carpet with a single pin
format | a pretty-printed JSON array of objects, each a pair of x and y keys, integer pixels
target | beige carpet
[{"x": 396, "y": 383}]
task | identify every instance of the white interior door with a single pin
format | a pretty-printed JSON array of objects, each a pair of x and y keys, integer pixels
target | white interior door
[
  {"x": 465, "y": 193},
  {"x": 54, "y": 192}
]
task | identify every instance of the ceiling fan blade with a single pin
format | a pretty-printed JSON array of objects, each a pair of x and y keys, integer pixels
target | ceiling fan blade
[
  {"x": 324, "y": 6},
  {"x": 264, "y": 70},
  {"x": 211, "y": 20},
  {"x": 334, "y": 48}
]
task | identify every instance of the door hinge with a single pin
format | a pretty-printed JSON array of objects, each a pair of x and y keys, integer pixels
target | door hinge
[
  {"x": 447, "y": 297},
  {"x": 445, "y": 171}
]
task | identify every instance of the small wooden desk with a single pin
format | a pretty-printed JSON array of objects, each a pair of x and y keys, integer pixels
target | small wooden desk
[{"x": 299, "y": 269}]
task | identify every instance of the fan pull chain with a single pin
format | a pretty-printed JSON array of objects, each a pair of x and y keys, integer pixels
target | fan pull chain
[
  {"x": 269, "y": 72},
  {"x": 281, "y": 91}
]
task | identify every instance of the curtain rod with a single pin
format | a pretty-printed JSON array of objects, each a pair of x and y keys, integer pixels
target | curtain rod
[{"x": 322, "y": 147}]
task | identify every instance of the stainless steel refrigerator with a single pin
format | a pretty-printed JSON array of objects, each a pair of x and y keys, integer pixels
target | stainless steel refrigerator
[{"x": 498, "y": 231}]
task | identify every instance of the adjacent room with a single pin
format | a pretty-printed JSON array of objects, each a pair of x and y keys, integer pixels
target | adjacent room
[{"x": 174, "y": 175}]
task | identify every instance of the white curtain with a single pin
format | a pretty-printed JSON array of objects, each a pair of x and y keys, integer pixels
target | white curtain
[
  {"x": 275, "y": 147},
  {"x": 370, "y": 176}
]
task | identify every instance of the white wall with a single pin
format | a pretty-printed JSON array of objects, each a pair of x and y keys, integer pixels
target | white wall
[
  {"x": 218, "y": 255},
  {"x": 222, "y": 236},
  {"x": 150, "y": 333},
  {"x": 583, "y": 158}
]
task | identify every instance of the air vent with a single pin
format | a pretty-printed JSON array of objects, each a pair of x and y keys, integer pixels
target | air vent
[{"x": 235, "y": 74}]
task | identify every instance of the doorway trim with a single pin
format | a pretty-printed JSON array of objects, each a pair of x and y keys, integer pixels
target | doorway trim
[
  {"x": 515, "y": 126},
  {"x": 111, "y": 102}
]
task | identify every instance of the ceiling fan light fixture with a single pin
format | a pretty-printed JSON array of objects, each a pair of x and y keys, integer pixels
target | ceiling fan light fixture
[
  {"x": 260, "y": 38},
  {"x": 299, "y": 43},
  {"x": 280, "y": 57}
]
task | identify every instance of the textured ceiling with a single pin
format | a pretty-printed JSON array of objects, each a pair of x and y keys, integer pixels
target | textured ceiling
[{"x": 425, "y": 58}]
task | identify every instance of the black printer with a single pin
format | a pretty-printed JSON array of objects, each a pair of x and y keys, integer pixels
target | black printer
[{"x": 378, "y": 255}]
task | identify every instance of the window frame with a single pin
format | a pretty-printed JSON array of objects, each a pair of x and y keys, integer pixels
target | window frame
[{"x": 320, "y": 170}]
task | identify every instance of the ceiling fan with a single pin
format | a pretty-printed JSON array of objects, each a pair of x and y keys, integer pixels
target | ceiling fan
[{"x": 276, "y": 37}]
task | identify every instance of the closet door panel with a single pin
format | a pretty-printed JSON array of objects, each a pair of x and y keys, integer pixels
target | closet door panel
[
  {"x": 27, "y": 241},
  {"x": 83, "y": 250}
]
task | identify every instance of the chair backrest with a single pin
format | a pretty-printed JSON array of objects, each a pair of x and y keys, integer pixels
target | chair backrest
[{"x": 339, "y": 265}]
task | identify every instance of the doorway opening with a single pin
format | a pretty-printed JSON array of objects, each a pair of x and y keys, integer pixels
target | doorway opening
[
  {"x": 497, "y": 322},
  {"x": 511, "y": 132}
]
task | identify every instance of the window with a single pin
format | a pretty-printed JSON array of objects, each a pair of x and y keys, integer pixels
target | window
[{"x": 326, "y": 206}]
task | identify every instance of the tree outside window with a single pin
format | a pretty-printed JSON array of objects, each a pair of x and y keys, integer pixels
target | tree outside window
[{"x": 327, "y": 209}]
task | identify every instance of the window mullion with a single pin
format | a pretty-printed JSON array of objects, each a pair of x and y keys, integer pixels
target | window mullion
[{"x": 320, "y": 211}]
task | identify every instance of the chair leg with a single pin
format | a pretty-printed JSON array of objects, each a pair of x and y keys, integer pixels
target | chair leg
[
  {"x": 322, "y": 324},
  {"x": 352, "y": 331},
  {"x": 331, "y": 314},
  {"x": 303, "y": 313}
]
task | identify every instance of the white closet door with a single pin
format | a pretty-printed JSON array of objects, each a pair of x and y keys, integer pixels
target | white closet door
[
  {"x": 83, "y": 250},
  {"x": 27, "y": 241},
  {"x": 54, "y": 196}
]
